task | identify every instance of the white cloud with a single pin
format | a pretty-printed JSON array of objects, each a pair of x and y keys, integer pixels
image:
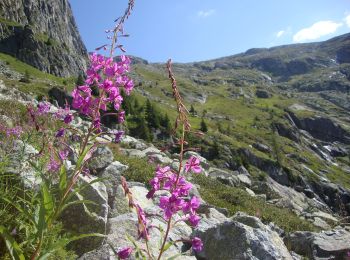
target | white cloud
[
  {"x": 204, "y": 14},
  {"x": 280, "y": 33},
  {"x": 316, "y": 31},
  {"x": 347, "y": 20}
]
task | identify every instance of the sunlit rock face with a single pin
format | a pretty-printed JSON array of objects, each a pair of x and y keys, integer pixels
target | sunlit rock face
[{"x": 42, "y": 33}]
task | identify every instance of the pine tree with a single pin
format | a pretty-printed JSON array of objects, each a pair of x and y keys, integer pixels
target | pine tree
[
  {"x": 192, "y": 111},
  {"x": 151, "y": 115},
  {"x": 203, "y": 127},
  {"x": 165, "y": 123}
]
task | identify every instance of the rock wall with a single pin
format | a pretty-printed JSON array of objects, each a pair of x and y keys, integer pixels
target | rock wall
[{"x": 42, "y": 33}]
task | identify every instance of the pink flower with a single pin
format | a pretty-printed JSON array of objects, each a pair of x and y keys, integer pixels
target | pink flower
[
  {"x": 53, "y": 165},
  {"x": 192, "y": 205},
  {"x": 63, "y": 154},
  {"x": 118, "y": 136},
  {"x": 60, "y": 132},
  {"x": 124, "y": 253},
  {"x": 15, "y": 131},
  {"x": 68, "y": 118},
  {"x": 170, "y": 205},
  {"x": 197, "y": 244},
  {"x": 121, "y": 117},
  {"x": 194, "y": 220},
  {"x": 193, "y": 164},
  {"x": 43, "y": 108}
]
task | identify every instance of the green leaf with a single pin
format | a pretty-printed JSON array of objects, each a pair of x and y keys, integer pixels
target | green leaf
[
  {"x": 167, "y": 245},
  {"x": 77, "y": 202},
  {"x": 42, "y": 224},
  {"x": 12, "y": 246},
  {"x": 63, "y": 179},
  {"x": 20, "y": 209},
  {"x": 47, "y": 200}
]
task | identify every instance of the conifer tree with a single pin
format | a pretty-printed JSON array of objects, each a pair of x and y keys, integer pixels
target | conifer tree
[{"x": 203, "y": 127}]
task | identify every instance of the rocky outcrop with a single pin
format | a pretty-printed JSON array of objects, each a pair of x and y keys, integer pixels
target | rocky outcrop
[
  {"x": 322, "y": 128},
  {"x": 333, "y": 244},
  {"x": 241, "y": 237},
  {"x": 43, "y": 34}
]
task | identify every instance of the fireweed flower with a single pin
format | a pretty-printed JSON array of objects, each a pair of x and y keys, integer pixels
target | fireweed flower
[
  {"x": 53, "y": 165},
  {"x": 65, "y": 114},
  {"x": 60, "y": 132},
  {"x": 63, "y": 154},
  {"x": 121, "y": 117},
  {"x": 197, "y": 244},
  {"x": 124, "y": 253},
  {"x": 170, "y": 205},
  {"x": 118, "y": 136},
  {"x": 43, "y": 108},
  {"x": 192, "y": 205},
  {"x": 110, "y": 78},
  {"x": 193, "y": 164},
  {"x": 15, "y": 131}
]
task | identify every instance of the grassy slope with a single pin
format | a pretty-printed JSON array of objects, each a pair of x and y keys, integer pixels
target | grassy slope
[
  {"x": 249, "y": 118},
  {"x": 40, "y": 83}
]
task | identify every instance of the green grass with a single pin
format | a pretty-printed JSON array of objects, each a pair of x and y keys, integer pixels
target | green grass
[{"x": 9, "y": 22}]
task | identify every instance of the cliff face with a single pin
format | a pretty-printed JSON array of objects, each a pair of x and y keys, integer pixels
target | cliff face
[{"x": 42, "y": 33}]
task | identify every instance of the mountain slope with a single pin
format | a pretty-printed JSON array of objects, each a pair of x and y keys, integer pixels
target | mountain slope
[
  {"x": 284, "y": 111},
  {"x": 43, "y": 34}
]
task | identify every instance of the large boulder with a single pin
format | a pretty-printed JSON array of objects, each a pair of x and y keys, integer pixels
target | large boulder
[
  {"x": 86, "y": 218},
  {"x": 101, "y": 158},
  {"x": 225, "y": 177},
  {"x": 111, "y": 178},
  {"x": 241, "y": 237},
  {"x": 333, "y": 244},
  {"x": 125, "y": 224}
]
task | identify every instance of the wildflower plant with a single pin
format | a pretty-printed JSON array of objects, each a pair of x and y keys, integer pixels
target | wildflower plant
[
  {"x": 59, "y": 139},
  {"x": 177, "y": 205}
]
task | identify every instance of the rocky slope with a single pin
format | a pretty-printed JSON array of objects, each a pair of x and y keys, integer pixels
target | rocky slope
[{"x": 43, "y": 34}]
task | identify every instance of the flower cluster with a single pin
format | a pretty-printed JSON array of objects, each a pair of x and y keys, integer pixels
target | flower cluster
[
  {"x": 14, "y": 131},
  {"x": 110, "y": 78},
  {"x": 177, "y": 201}
]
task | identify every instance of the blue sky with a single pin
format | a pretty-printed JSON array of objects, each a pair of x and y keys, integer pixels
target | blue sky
[{"x": 195, "y": 30}]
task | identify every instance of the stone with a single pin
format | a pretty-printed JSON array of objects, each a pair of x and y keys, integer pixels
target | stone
[
  {"x": 232, "y": 239},
  {"x": 244, "y": 179},
  {"x": 86, "y": 218},
  {"x": 60, "y": 49},
  {"x": 126, "y": 224},
  {"x": 250, "y": 192},
  {"x": 262, "y": 94},
  {"x": 242, "y": 170},
  {"x": 226, "y": 177},
  {"x": 101, "y": 158},
  {"x": 111, "y": 178},
  {"x": 333, "y": 244},
  {"x": 262, "y": 147}
]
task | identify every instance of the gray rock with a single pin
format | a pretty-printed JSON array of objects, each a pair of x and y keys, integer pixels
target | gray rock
[
  {"x": 242, "y": 170},
  {"x": 226, "y": 177},
  {"x": 234, "y": 240},
  {"x": 332, "y": 244},
  {"x": 59, "y": 50},
  {"x": 244, "y": 179},
  {"x": 111, "y": 176},
  {"x": 262, "y": 147},
  {"x": 101, "y": 158},
  {"x": 87, "y": 218}
]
